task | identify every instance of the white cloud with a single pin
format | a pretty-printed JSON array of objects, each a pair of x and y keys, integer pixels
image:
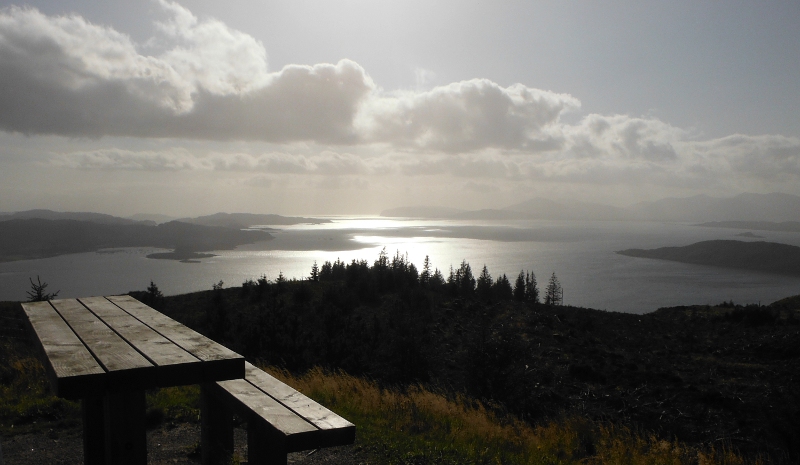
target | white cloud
[
  {"x": 211, "y": 55},
  {"x": 465, "y": 116},
  {"x": 64, "y": 75}
]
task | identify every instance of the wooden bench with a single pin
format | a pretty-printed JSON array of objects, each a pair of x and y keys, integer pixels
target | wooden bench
[{"x": 279, "y": 420}]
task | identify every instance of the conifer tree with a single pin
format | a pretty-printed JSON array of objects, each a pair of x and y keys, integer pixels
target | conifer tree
[
  {"x": 531, "y": 288},
  {"x": 485, "y": 284},
  {"x": 554, "y": 294},
  {"x": 519, "y": 287},
  {"x": 37, "y": 292},
  {"x": 314, "y": 272},
  {"x": 465, "y": 279},
  {"x": 425, "y": 276},
  {"x": 502, "y": 288}
]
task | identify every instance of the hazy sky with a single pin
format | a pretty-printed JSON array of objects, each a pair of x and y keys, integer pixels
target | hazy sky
[{"x": 350, "y": 107}]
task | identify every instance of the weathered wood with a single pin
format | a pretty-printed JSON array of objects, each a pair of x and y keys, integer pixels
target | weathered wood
[
  {"x": 174, "y": 366},
  {"x": 283, "y": 417},
  {"x": 126, "y": 368},
  {"x": 263, "y": 448},
  {"x": 94, "y": 451},
  {"x": 126, "y": 437},
  {"x": 220, "y": 362},
  {"x": 72, "y": 370},
  {"x": 216, "y": 427},
  {"x": 287, "y": 430},
  {"x": 299, "y": 403}
]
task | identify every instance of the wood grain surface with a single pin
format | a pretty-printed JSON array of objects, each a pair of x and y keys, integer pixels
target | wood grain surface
[{"x": 72, "y": 370}]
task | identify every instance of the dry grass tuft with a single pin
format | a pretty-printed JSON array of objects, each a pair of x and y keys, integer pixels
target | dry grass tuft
[{"x": 421, "y": 426}]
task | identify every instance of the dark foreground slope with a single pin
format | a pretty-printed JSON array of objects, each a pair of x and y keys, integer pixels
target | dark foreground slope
[
  {"x": 718, "y": 376},
  {"x": 761, "y": 256}
]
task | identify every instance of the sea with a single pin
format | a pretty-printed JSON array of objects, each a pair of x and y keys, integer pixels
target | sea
[{"x": 582, "y": 255}]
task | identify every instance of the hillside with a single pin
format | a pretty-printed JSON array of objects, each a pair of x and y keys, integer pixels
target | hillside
[
  {"x": 713, "y": 378},
  {"x": 100, "y": 218},
  {"x": 700, "y": 374},
  {"x": 761, "y": 256},
  {"x": 25, "y": 239}
]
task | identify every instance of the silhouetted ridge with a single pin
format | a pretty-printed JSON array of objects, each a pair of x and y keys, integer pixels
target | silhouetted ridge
[
  {"x": 23, "y": 239},
  {"x": 761, "y": 256}
]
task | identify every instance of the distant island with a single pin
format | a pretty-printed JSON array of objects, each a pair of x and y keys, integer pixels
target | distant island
[
  {"x": 32, "y": 234},
  {"x": 183, "y": 256},
  {"x": 760, "y": 256},
  {"x": 27, "y": 239},
  {"x": 249, "y": 220},
  {"x": 750, "y": 235}
]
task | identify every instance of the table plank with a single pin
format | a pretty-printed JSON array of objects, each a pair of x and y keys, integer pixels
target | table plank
[
  {"x": 190, "y": 340},
  {"x": 219, "y": 361},
  {"x": 158, "y": 349},
  {"x": 294, "y": 400},
  {"x": 174, "y": 365},
  {"x": 127, "y": 369},
  {"x": 72, "y": 369}
]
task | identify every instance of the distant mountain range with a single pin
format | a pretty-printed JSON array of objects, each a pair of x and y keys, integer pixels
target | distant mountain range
[
  {"x": 23, "y": 239},
  {"x": 247, "y": 220},
  {"x": 98, "y": 218},
  {"x": 773, "y": 207},
  {"x": 228, "y": 220},
  {"x": 784, "y": 226},
  {"x": 44, "y": 233}
]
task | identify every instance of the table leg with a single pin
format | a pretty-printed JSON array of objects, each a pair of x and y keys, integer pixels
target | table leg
[
  {"x": 126, "y": 437},
  {"x": 216, "y": 428},
  {"x": 261, "y": 449},
  {"x": 94, "y": 450}
]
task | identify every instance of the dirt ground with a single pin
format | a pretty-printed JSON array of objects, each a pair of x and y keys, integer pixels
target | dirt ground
[{"x": 166, "y": 444}]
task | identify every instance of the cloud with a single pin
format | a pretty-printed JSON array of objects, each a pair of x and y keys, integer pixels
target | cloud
[
  {"x": 466, "y": 116},
  {"x": 598, "y": 150},
  {"x": 326, "y": 163},
  {"x": 65, "y": 76},
  {"x": 61, "y": 75}
]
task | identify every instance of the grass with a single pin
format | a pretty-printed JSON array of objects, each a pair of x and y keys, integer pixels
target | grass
[
  {"x": 25, "y": 400},
  {"x": 419, "y": 426},
  {"x": 412, "y": 426}
]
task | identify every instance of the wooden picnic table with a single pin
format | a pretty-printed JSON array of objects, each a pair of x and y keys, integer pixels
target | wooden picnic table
[{"x": 106, "y": 351}]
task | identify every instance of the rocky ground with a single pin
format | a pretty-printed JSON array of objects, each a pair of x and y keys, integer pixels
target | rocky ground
[{"x": 166, "y": 445}]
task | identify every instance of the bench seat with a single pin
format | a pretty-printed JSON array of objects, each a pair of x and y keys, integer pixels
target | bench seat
[{"x": 279, "y": 419}]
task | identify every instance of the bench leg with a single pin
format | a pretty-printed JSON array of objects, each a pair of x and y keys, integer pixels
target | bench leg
[
  {"x": 216, "y": 428},
  {"x": 94, "y": 439},
  {"x": 126, "y": 437},
  {"x": 261, "y": 451}
]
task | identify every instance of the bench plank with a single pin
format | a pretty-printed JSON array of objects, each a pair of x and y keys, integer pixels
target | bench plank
[
  {"x": 281, "y": 418},
  {"x": 127, "y": 368},
  {"x": 302, "y": 405},
  {"x": 72, "y": 370}
]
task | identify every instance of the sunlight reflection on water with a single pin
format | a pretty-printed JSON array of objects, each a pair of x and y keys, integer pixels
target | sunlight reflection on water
[{"x": 580, "y": 253}]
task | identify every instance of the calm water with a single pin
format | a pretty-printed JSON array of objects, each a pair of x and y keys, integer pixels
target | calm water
[{"x": 580, "y": 253}]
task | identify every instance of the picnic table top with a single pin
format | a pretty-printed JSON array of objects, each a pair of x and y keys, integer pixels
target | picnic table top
[{"x": 96, "y": 345}]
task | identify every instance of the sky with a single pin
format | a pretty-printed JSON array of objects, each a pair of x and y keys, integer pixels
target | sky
[{"x": 351, "y": 107}]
